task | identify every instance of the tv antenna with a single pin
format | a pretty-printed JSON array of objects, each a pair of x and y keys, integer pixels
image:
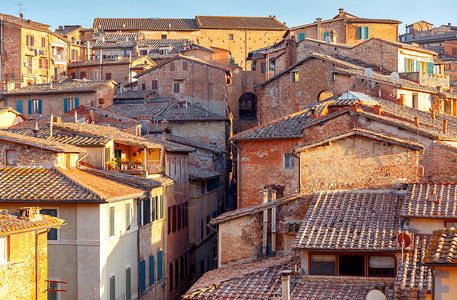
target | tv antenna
[{"x": 20, "y": 10}]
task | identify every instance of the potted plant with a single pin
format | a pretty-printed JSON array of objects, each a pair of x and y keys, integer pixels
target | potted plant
[{"x": 111, "y": 165}]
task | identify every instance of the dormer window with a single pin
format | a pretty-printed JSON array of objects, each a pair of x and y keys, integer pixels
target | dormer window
[{"x": 11, "y": 157}]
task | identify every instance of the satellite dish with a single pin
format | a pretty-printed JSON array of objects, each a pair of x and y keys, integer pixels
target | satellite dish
[
  {"x": 144, "y": 128},
  {"x": 376, "y": 295},
  {"x": 404, "y": 238},
  {"x": 368, "y": 72},
  {"x": 328, "y": 39},
  {"x": 394, "y": 77}
]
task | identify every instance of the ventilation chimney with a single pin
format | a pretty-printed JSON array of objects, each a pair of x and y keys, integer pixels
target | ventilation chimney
[
  {"x": 416, "y": 121},
  {"x": 445, "y": 126},
  {"x": 285, "y": 284},
  {"x": 35, "y": 130}
]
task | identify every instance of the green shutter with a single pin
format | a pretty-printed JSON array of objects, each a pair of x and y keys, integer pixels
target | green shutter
[
  {"x": 360, "y": 32},
  {"x": 142, "y": 275},
  {"x": 418, "y": 66},
  {"x": 128, "y": 283},
  {"x": 40, "y": 106},
  {"x": 127, "y": 215},
  {"x": 366, "y": 33},
  {"x": 413, "y": 65},
  {"x": 111, "y": 220},
  {"x": 301, "y": 36},
  {"x": 112, "y": 288},
  {"x": 154, "y": 200},
  {"x": 151, "y": 270},
  {"x": 161, "y": 206},
  {"x": 430, "y": 68},
  {"x": 76, "y": 102},
  {"x": 324, "y": 35},
  {"x": 19, "y": 106},
  {"x": 65, "y": 105},
  {"x": 406, "y": 65},
  {"x": 159, "y": 264},
  {"x": 30, "y": 106}
]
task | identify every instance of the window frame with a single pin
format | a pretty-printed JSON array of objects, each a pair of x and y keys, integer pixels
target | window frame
[
  {"x": 4, "y": 250},
  {"x": 6, "y": 157},
  {"x": 295, "y": 76},
  {"x": 289, "y": 161},
  {"x": 57, "y": 231},
  {"x": 112, "y": 227},
  {"x": 176, "y": 87},
  {"x": 154, "y": 84}
]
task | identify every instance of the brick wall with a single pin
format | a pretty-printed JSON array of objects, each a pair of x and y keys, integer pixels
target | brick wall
[
  {"x": 19, "y": 275},
  {"x": 29, "y": 156},
  {"x": 205, "y": 132},
  {"x": 11, "y": 58},
  {"x": 118, "y": 72}
]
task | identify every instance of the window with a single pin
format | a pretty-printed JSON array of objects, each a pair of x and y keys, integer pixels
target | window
[
  {"x": 111, "y": 220},
  {"x": 11, "y": 157},
  {"x": 143, "y": 86},
  {"x": 263, "y": 67},
  {"x": 82, "y": 75},
  {"x": 43, "y": 42},
  {"x": 324, "y": 35},
  {"x": 289, "y": 161},
  {"x": 35, "y": 106},
  {"x": 159, "y": 264},
  {"x": 175, "y": 220},
  {"x": 154, "y": 84},
  {"x": 301, "y": 36},
  {"x": 161, "y": 207},
  {"x": 454, "y": 51},
  {"x": 170, "y": 167},
  {"x": 29, "y": 64},
  {"x": 95, "y": 75},
  {"x": 20, "y": 106},
  {"x": 176, "y": 169},
  {"x": 70, "y": 104},
  {"x": 128, "y": 220},
  {"x": 179, "y": 208},
  {"x": 43, "y": 63},
  {"x": 181, "y": 263},
  {"x": 176, "y": 273},
  {"x": 363, "y": 33},
  {"x": 176, "y": 87},
  {"x": 74, "y": 54},
  {"x": 208, "y": 219},
  {"x": 172, "y": 66},
  {"x": 128, "y": 283},
  {"x": 170, "y": 271},
  {"x": 145, "y": 212},
  {"x": 112, "y": 288},
  {"x": 381, "y": 265},
  {"x": 151, "y": 270},
  {"x": 163, "y": 36},
  {"x": 142, "y": 275},
  {"x": 295, "y": 76},
  {"x": 185, "y": 169},
  {"x": 169, "y": 219},
  {"x": 30, "y": 40},
  {"x": 203, "y": 186},
  {"x": 351, "y": 265},
  {"x": 52, "y": 234},
  {"x": 108, "y": 76},
  {"x": 143, "y": 52},
  {"x": 186, "y": 220},
  {"x": 52, "y": 295},
  {"x": 201, "y": 229},
  {"x": 163, "y": 51},
  {"x": 180, "y": 169},
  {"x": 184, "y": 65},
  {"x": 3, "y": 249},
  {"x": 415, "y": 101},
  {"x": 322, "y": 264},
  {"x": 230, "y": 37}
]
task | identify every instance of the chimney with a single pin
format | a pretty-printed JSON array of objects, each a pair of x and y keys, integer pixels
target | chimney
[
  {"x": 416, "y": 121},
  {"x": 29, "y": 21},
  {"x": 445, "y": 126},
  {"x": 35, "y": 130},
  {"x": 30, "y": 213},
  {"x": 314, "y": 114},
  {"x": 285, "y": 284},
  {"x": 377, "y": 110},
  {"x": 401, "y": 100},
  {"x": 291, "y": 52},
  {"x": 265, "y": 224},
  {"x": 433, "y": 115},
  {"x": 340, "y": 11},
  {"x": 297, "y": 107},
  {"x": 319, "y": 34}
]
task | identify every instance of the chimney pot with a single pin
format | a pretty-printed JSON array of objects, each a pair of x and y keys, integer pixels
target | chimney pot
[
  {"x": 445, "y": 126},
  {"x": 340, "y": 10},
  {"x": 377, "y": 110},
  {"x": 416, "y": 121},
  {"x": 285, "y": 284}
]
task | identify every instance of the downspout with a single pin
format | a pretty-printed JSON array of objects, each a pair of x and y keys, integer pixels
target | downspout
[
  {"x": 433, "y": 282},
  {"x": 299, "y": 170},
  {"x": 138, "y": 250},
  {"x": 238, "y": 175},
  {"x": 37, "y": 262},
  {"x": 1, "y": 49}
]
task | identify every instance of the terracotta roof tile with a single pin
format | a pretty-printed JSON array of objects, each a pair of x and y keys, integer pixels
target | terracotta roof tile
[
  {"x": 170, "y": 146},
  {"x": 351, "y": 220},
  {"x": 194, "y": 144},
  {"x": 442, "y": 248},
  {"x": 122, "y": 177},
  {"x": 12, "y": 222},
  {"x": 431, "y": 200},
  {"x": 69, "y": 86},
  {"x": 145, "y": 24},
  {"x": 133, "y": 95},
  {"x": 198, "y": 174},
  {"x": 51, "y": 145},
  {"x": 253, "y": 23}
]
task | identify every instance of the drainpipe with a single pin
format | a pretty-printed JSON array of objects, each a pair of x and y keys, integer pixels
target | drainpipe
[
  {"x": 265, "y": 224},
  {"x": 273, "y": 223},
  {"x": 299, "y": 170},
  {"x": 433, "y": 282},
  {"x": 238, "y": 177},
  {"x": 37, "y": 262},
  {"x": 138, "y": 249}
]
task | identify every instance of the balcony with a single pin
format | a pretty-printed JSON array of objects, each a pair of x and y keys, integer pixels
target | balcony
[
  {"x": 427, "y": 79},
  {"x": 135, "y": 160}
]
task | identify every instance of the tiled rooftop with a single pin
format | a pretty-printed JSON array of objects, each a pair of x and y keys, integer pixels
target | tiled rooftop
[
  {"x": 442, "y": 248},
  {"x": 69, "y": 86},
  {"x": 12, "y": 222},
  {"x": 93, "y": 130},
  {"x": 133, "y": 95},
  {"x": 125, "y": 178},
  {"x": 163, "y": 24},
  {"x": 50, "y": 145},
  {"x": 260, "y": 279},
  {"x": 198, "y": 174},
  {"x": 351, "y": 220},
  {"x": 170, "y": 146},
  {"x": 431, "y": 200},
  {"x": 224, "y": 22},
  {"x": 96, "y": 62},
  {"x": 194, "y": 144}
]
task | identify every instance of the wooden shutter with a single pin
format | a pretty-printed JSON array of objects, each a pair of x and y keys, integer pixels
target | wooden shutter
[
  {"x": 406, "y": 65},
  {"x": 418, "y": 66},
  {"x": 263, "y": 67},
  {"x": 76, "y": 102},
  {"x": 128, "y": 283},
  {"x": 40, "y": 106},
  {"x": 159, "y": 264},
  {"x": 430, "y": 67},
  {"x": 324, "y": 35},
  {"x": 161, "y": 207},
  {"x": 65, "y": 105},
  {"x": 142, "y": 275},
  {"x": 111, "y": 220},
  {"x": 154, "y": 207},
  {"x": 112, "y": 288},
  {"x": 301, "y": 36},
  {"x": 30, "y": 106},
  {"x": 359, "y": 32},
  {"x": 151, "y": 270},
  {"x": 366, "y": 33},
  {"x": 19, "y": 106}
]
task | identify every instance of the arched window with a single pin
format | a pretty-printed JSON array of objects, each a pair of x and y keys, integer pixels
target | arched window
[
  {"x": 248, "y": 107},
  {"x": 324, "y": 95}
]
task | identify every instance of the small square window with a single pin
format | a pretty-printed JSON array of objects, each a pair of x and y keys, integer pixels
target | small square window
[
  {"x": 108, "y": 76},
  {"x": 230, "y": 37},
  {"x": 52, "y": 234},
  {"x": 295, "y": 76},
  {"x": 163, "y": 36},
  {"x": 177, "y": 87},
  {"x": 11, "y": 157},
  {"x": 322, "y": 264},
  {"x": 289, "y": 161},
  {"x": 154, "y": 84}
]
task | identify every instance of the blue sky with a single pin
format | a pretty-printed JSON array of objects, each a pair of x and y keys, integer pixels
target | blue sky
[{"x": 293, "y": 12}]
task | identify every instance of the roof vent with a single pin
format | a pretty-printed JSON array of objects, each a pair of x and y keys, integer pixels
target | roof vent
[{"x": 433, "y": 197}]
